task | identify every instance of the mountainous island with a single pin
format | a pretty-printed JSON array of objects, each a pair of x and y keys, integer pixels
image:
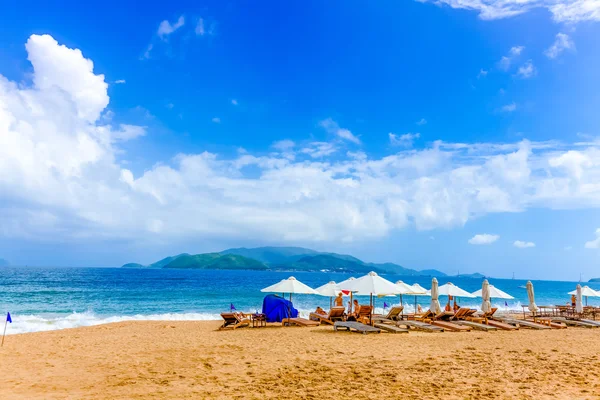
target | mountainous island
[
  {"x": 284, "y": 259},
  {"x": 594, "y": 280},
  {"x": 4, "y": 263}
]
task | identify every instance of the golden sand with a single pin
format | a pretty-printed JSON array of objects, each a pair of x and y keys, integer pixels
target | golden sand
[{"x": 135, "y": 360}]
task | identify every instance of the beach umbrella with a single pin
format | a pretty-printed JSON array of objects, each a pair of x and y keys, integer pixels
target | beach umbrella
[
  {"x": 370, "y": 284},
  {"x": 435, "y": 303},
  {"x": 343, "y": 283},
  {"x": 486, "y": 305},
  {"x": 531, "y": 295},
  {"x": 330, "y": 289},
  {"x": 418, "y": 290},
  {"x": 495, "y": 293},
  {"x": 450, "y": 289},
  {"x": 578, "y": 303},
  {"x": 290, "y": 285},
  {"x": 585, "y": 292},
  {"x": 404, "y": 288}
]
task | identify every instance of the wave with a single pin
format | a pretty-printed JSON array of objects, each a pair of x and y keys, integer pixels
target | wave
[{"x": 35, "y": 323}]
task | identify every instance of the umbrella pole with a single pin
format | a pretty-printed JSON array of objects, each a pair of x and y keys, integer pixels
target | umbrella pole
[
  {"x": 370, "y": 315},
  {"x": 415, "y": 304},
  {"x": 401, "y": 312}
]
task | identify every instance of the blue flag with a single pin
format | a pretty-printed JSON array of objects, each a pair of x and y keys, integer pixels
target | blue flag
[
  {"x": 385, "y": 305},
  {"x": 505, "y": 304},
  {"x": 8, "y": 318},
  {"x": 231, "y": 307}
]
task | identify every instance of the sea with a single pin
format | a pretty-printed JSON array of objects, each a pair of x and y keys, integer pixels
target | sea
[{"x": 42, "y": 299}]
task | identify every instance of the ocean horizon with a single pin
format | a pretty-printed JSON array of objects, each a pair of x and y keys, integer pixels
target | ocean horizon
[{"x": 51, "y": 298}]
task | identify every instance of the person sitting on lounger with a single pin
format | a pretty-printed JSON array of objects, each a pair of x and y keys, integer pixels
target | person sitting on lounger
[
  {"x": 339, "y": 302},
  {"x": 419, "y": 309},
  {"x": 456, "y": 306},
  {"x": 320, "y": 311}
]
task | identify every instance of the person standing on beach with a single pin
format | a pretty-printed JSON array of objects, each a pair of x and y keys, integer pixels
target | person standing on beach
[
  {"x": 339, "y": 302},
  {"x": 573, "y": 300}
]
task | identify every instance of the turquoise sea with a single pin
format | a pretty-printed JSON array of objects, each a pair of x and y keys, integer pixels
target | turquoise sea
[{"x": 56, "y": 298}]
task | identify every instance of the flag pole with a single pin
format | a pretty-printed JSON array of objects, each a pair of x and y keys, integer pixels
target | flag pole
[{"x": 4, "y": 334}]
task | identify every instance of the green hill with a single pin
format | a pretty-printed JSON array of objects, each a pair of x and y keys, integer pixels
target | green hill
[
  {"x": 215, "y": 261},
  {"x": 272, "y": 255},
  {"x": 326, "y": 262},
  {"x": 594, "y": 280}
]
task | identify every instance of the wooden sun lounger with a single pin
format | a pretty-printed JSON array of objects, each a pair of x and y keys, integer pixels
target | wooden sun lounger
[
  {"x": 299, "y": 322},
  {"x": 356, "y": 326},
  {"x": 524, "y": 323},
  {"x": 589, "y": 321},
  {"x": 422, "y": 326},
  {"x": 393, "y": 314},
  {"x": 234, "y": 320},
  {"x": 451, "y": 326},
  {"x": 364, "y": 314},
  {"x": 575, "y": 322},
  {"x": 391, "y": 328},
  {"x": 502, "y": 325},
  {"x": 335, "y": 314},
  {"x": 477, "y": 326}
]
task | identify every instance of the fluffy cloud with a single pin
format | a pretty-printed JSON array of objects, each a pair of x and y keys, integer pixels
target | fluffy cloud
[
  {"x": 405, "y": 140},
  {"x": 216, "y": 120},
  {"x": 563, "y": 42},
  {"x": 62, "y": 175},
  {"x": 527, "y": 70},
  {"x": 200, "y": 27},
  {"x": 166, "y": 28},
  {"x": 594, "y": 244},
  {"x": 333, "y": 128},
  {"x": 484, "y": 238},
  {"x": 507, "y": 60},
  {"x": 523, "y": 245},
  {"x": 509, "y": 107},
  {"x": 422, "y": 121},
  {"x": 562, "y": 10}
]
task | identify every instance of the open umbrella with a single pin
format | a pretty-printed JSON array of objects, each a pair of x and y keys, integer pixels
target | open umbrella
[
  {"x": 578, "y": 303},
  {"x": 290, "y": 285},
  {"x": 486, "y": 305},
  {"x": 531, "y": 295},
  {"x": 435, "y": 303},
  {"x": 585, "y": 292},
  {"x": 418, "y": 290},
  {"x": 495, "y": 293},
  {"x": 404, "y": 288},
  {"x": 370, "y": 284},
  {"x": 450, "y": 289},
  {"x": 330, "y": 289}
]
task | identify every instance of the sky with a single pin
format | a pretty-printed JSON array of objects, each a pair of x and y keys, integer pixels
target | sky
[{"x": 461, "y": 135}]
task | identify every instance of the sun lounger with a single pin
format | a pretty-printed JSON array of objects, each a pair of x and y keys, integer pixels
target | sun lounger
[
  {"x": 524, "y": 323},
  {"x": 490, "y": 314},
  {"x": 364, "y": 314},
  {"x": 393, "y": 314},
  {"x": 576, "y": 322},
  {"x": 299, "y": 322},
  {"x": 589, "y": 321},
  {"x": 549, "y": 321},
  {"x": 356, "y": 326},
  {"x": 335, "y": 314},
  {"x": 502, "y": 325},
  {"x": 425, "y": 317},
  {"x": 476, "y": 325},
  {"x": 420, "y": 325},
  {"x": 451, "y": 326},
  {"x": 390, "y": 328},
  {"x": 234, "y": 320}
]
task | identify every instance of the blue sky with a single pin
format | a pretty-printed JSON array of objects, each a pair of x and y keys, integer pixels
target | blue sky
[{"x": 394, "y": 131}]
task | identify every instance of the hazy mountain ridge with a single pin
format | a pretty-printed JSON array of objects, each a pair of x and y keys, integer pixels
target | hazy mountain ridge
[
  {"x": 4, "y": 263},
  {"x": 285, "y": 259}
]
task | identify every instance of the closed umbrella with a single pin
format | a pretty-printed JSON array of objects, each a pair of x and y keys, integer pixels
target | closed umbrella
[
  {"x": 486, "y": 305},
  {"x": 578, "y": 303},
  {"x": 585, "y": 292},
  {"x": 531, "y": 295},
  {"x": 435, "y": 303}
]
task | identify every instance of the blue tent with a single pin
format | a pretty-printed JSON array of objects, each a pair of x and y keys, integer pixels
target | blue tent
[{"x": 277, "y": 308}]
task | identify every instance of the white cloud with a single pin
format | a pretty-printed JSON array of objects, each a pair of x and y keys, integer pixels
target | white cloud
[
  {"x": 483, "y": 238},
  {"x": 146, "y": 54},
  {"x": 283, "y": 145},
  {"x": 507, "y": 60},
  {"x": 482, "y": 73},
  {"x": 563, "y": 42},
  {"x": 67, "y": 179},
  {"x": 234, "y": 102},
  {"x": 405, "y": 140},
  {"x": 170, "y": 106},
  {"x": 120, "y": 81},
  {"x": 594, "y": 244},
  {"x": 562, "y": 10},
  {"x": 523, "y": 245},
  {"x": 527, "y": 70},
  {"x": 509, "y": 107},
  {"x": 422, "y": 121},
  {"x": 333, "y": 128},
  {"x": 216, "y": 120},
  {"x": 166, "y": 28},
  {"x": 200, "y": 27},
  {"x": 568, "y": 248}
]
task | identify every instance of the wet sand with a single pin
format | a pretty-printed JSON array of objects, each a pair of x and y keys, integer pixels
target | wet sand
[{"x": 159, "y": 360}]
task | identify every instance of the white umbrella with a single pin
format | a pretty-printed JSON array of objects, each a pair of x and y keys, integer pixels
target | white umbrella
[
  {"x": 495, "y": 293},
  {"x": 418, "y": 290},
  {"x": 450, "y": 289},
  {"x": 404, "y": 288},
  {"x": 435, "y": 303},
  {"x": 531, "y": 295},
  {"x": 586, "y": 291},
  {"x": 370, "y": 284},
  {"x": 578, "y": 303},
  {"x": 330, "y": 289},
  {"x": 290, "y": 285},
  {"x": 486, "y": 305}
]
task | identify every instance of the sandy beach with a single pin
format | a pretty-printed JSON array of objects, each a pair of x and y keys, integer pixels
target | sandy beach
[{"x": 194, "y": 360}]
